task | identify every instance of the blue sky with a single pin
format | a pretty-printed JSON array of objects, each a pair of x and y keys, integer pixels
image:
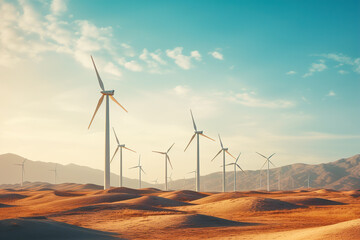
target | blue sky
[{"x": 269, "y": 76}]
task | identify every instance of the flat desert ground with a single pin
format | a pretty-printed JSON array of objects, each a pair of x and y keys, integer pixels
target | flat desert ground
[{"x": 73, "y": 211}]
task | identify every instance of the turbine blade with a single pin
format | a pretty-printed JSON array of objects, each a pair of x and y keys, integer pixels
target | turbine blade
[
  {"x": 237, "y": 159},
  {"x": 220, "y": 141},
  {"x": 216, "y": 155},
  {"x": 263, "y": 164},
  {"x": 98, "y": 76},
  {"x": 207, "y": 137},
  {"x": 142, "y": 170},
  {"x": 134, "y": 167},
  {"x": 97, "y": 108},
  {"x": 114, "y": 154},
  {"x": 190, "y": 141},
  {"x": 230, "y": 154},
  {"x": 261, "y": 155},
  {"x": 192, "y": 117},
  {"x": 229, "y": 164},
  {"x": 129, "y": 149},
  {"x": 272, "y": 163},
  {"x": 170, "y": 148},
  {"x": 272, "y": 155},
  {"x": 240, "y": 167},
  {"x": 159, "y": 152},
  {"x": 112, "y": 98},
  {"x": 169, "y": 161},
  {"x": 117, "y": 140}
]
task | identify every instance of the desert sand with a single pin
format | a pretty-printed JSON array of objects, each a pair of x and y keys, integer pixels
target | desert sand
[{"x": 73, "y": 211}]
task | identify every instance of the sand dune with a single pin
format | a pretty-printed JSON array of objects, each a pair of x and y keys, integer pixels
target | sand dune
[
  {"x": 155, "y": 201},
  {"x": 4, "y": 205},
  {"x": 218, "y": 197},
  {"x": 95, "y": 199},
  {"x": 310, "y": 201},
  {"x": 68, "y": 193},
  {"x": 183, "y": 195},
  {"x": 8, "y": 197},
  {"x": 349, "y": 230},
  {"x": 177, "y": 221},
  {"x": 36, "y": 229},
  {"x": 246, "y": 204}
]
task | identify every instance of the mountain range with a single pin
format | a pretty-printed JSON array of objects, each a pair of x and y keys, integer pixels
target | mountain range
[{"x": 343, "y": 174}]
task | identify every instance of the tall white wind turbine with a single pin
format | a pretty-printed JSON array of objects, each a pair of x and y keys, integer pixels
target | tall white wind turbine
[
  {"x": 120, "y": 146},
  {"x": 107, "y": 94},
  {"x": 235, "y": 165},
  {"x": 197, "y": 133},
  {"x": 268, "y": 166},
  {"x": 140, "y": 170},
  {"x": 55, "y": 172},
  {"x": 22, "y": 171},
  {"x": 167, "y": 159},
  {"x": 223, "y": 150}
]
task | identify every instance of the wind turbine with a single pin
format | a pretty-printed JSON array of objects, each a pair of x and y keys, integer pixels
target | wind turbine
[
  {"x": 308, "y": 181},
  {"x": 120, "y": 146},
  {"x": 55, "y": 172},
  {"x": 268, "y": 165},
  {"x": 223, "y": 150},
  {"x": 155, "y": 181},
  {"x": 235, "y": 165},
  {"x": 107, "y": 94},
  {"x": 197, "y": 133},
  {"x": 22, "y": 171},
  {"x": 140, "y": 169},
  {"x": 166, "y": 160}
]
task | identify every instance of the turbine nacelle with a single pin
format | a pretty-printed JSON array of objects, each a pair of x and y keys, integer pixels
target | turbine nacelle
[
  {"x": 199, "y": 132},
  {"x": 121, "y": 145},
  {"x": 109, "y": 92},
  {"x": 225, "y": 149}
]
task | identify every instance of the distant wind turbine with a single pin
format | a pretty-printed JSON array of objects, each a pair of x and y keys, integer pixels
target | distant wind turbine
[
  {"x": 166, "y": 160},
  {"x": 120, "y": 146},
  {"x": 55, "y": 172},
  {"x": 197, "y": 133},
  {"x": 140, "y": 170},
  {"x": 308, "y": 181},
  {"x": 22, "y": 171},
  {"x": 107, "y": 94},
  {"x": 155, "y": 181},
  {"x": 268, "y": 166},
  {"x": 223, "y": 150},
  {"x": 170, "y": 178},
  {"x": 194, "y": 172},
  {"x": 235, "y": 165}
]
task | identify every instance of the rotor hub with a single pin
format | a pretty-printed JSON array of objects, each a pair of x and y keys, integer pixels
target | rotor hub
[{"x": 108, "y": 92}]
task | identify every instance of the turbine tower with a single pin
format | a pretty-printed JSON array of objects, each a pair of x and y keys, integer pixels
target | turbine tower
[
  {"x": 140, "y": 169},
  {"x": 166, "y": 160},
  {"x": 197, "y": 133},
  {"x": 223, "y": 150},
  {"x": 170, "y": 179},
  {"x": 268, "y": 166},
  {"x": 55, "y": 172},
  {"x": 120, "y": 146},
  {"x": 22, "y": 171},
  {"x": 235, "y": 165},
  {"x": 107, "y": 94}
]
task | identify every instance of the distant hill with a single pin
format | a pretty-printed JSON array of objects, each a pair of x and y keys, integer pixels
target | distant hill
[
  {"x": 343, "y": 174},
  {"x": 36, "y": 171}
]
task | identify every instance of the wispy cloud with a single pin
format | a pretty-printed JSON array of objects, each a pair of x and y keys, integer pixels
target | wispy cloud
[
  {"x": 342, "y": 72},
  {"x": 292, "y": 72},
  {"x": 181, "y": 60},
  {"x": 343, "y": 60},
  {"x": 250, "y": 99},
  {"x": 217, "y": 55},
  {"x": 316, "y": 67},
  {"x": 181, "y": 90},
  {"x": 331, "y": 93}
]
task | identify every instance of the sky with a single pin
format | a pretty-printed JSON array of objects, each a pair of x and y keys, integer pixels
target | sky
[{"x": 268, "y": 76}]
